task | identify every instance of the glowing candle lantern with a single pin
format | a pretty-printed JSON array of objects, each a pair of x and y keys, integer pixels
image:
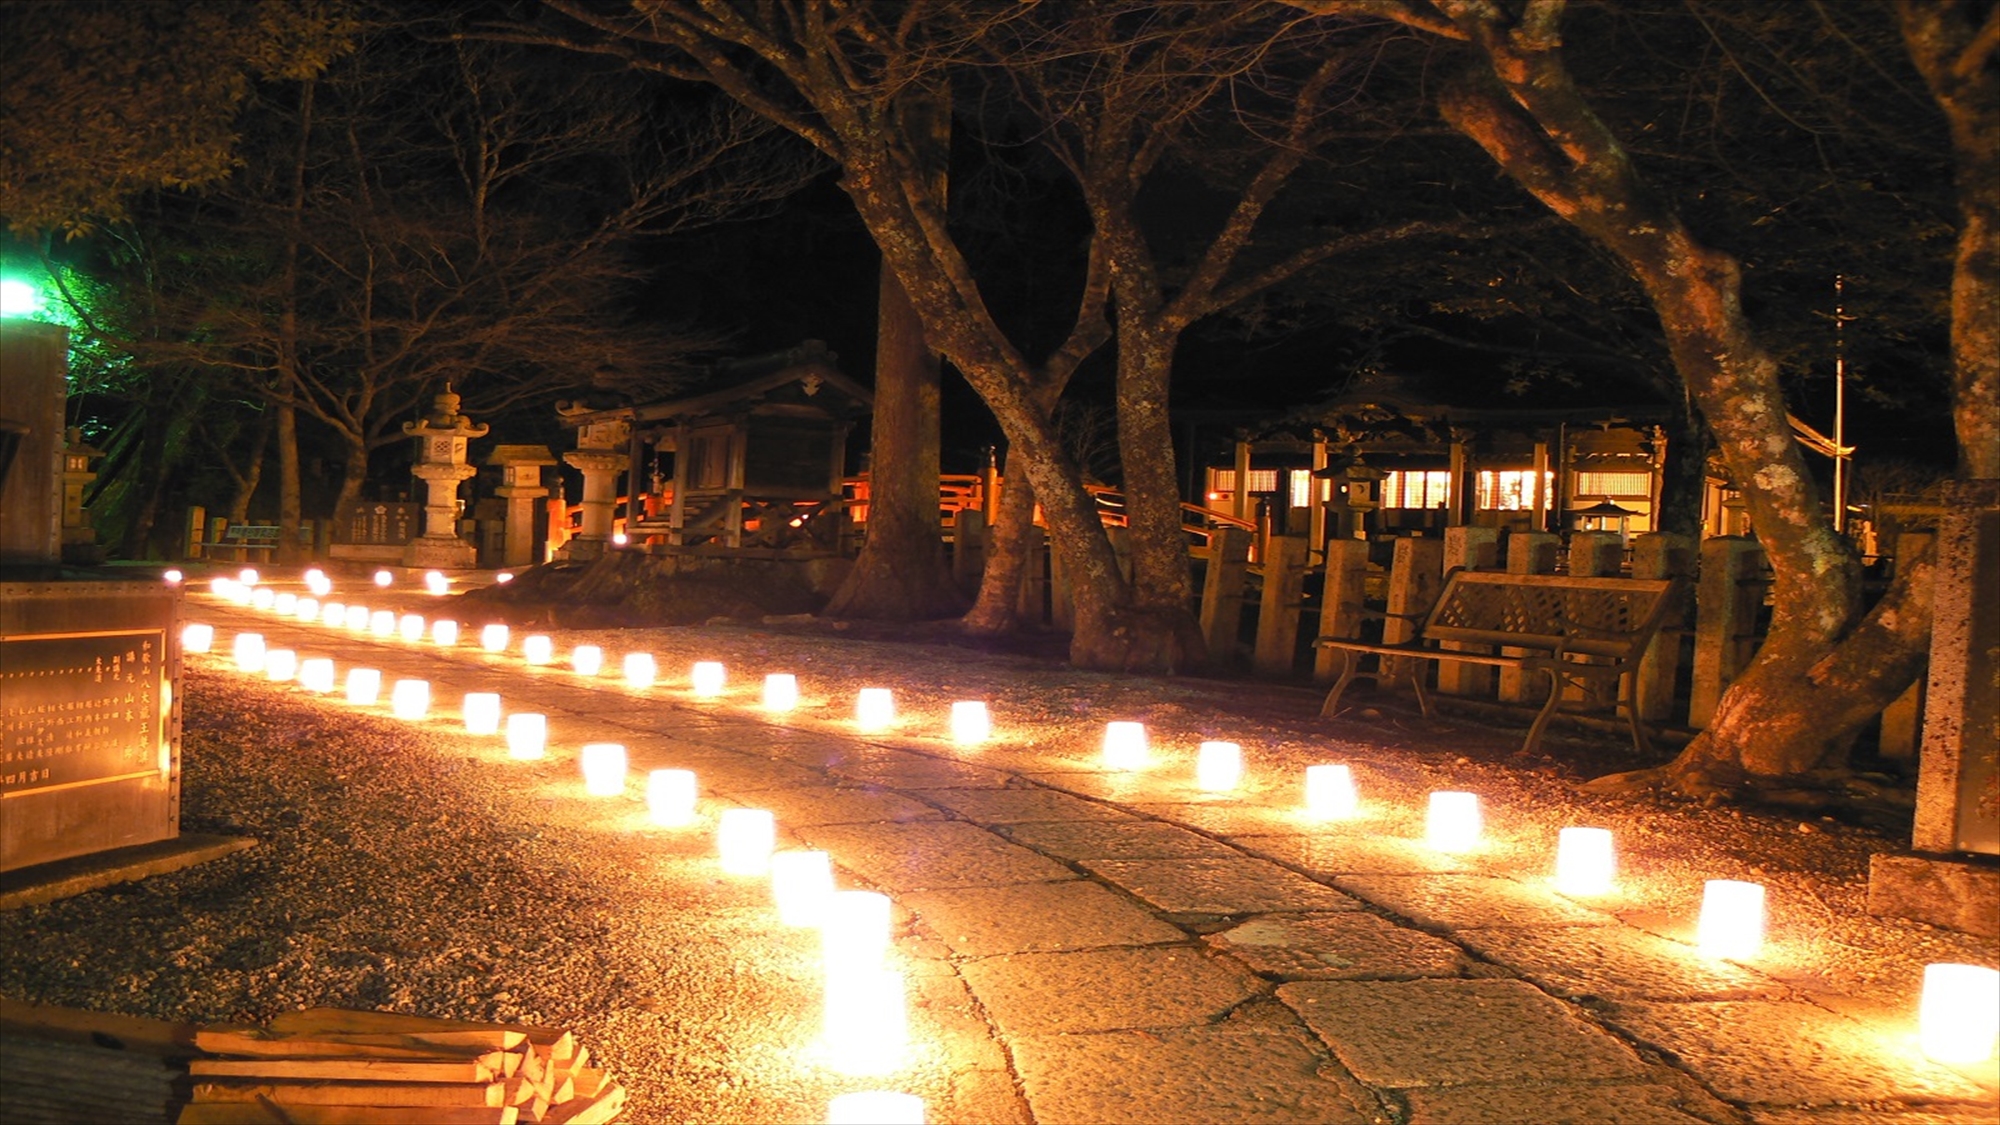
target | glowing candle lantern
[
  {"x": 619, "y": 538},
  {"x": 493, "y": 638},
  {"x": 357, "y": 618},
  {"x": 1330, "y": 791},
  {"x": 316, "y": 674},
  {"x": 172, "y": 577},
  {"x": 538, "y": 649},
  {"x": 248, "y": 576},
  {"x": 875, "y": 1107},
  {"x": 220, "y": 586},
  {"x": 198, "y": 638},
  {"x": 437, "y": 583},
  {"x": 875, "y": 709},
  {"x": 970, "y": 724},
  {"x": 285, "y": 604},
  {"x": 364, "y": 686},
  {"x": 1218, "y": 766},
  {"x": 444, "y": 633},
  {"x": 241, "y": 593},
  {"x": 640, "y": 669},
  {"x": 670, "y": 796},
  {"x": 1959, "y": 1020},
  {"x": 1732, "y": 919},
  {"x": 503, "y": 577},
  {"x": 263, "y": 597},
  {"x": 707, "y": 678},
  {"x": 781, "y": 692},
  {"x": 1585, "y": 861},
  {"x": 854, "y": 932},
  {"x": 866, "y": 1023},
  {"x": 482, "y": 712},
  {"x": 744, "y": 839},
  {"x": 587, "y": 660},
  {"x": 603, "y": 769},
  {"x": 280, "y": 665},
  {"x": 1125, "y": 746},
  {"x": 307, "y": 610},
  {"x": 249, "y": 652},
  {"x": 410, "y": 627},
  {"x": 318, "y": 583},
  {"x": 527, "y": 735},
  {"x": 384, "y": 579},
  {"x": 410, "y": 699},
  {"x": 312, "y": 575},
  {"x": 1453, "y": 822},
  {"x": 333, "y": 614},
  {"x": 382, "y": 623},
  {"x": 801, "y": 882}
]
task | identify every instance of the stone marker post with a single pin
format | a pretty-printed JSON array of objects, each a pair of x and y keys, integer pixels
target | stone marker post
[
  {"x": 1416, "y": 574},
  {"x": 441, "y": 466},
  {"x": 1222, "y": 590},
  {"x": 599, "y": 455},
  {"x": 1953, "y": 879},
  {"x": 1342, "y": 602},
  {"x": 1468, "y": 548},
  {"x": 521, "y": 488},
  {"x": 1278, "y": 613},
  {"x": 1725, "y": 619},
  {"x": 79, "y": 540},
  {"x": 1528, "y": 552},
  {"x": 1660, "y": 555}
]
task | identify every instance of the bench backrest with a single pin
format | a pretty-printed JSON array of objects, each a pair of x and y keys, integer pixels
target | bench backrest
[
  {"x": 1613, "y": 617},
  {"x": 250, "y": 531}
]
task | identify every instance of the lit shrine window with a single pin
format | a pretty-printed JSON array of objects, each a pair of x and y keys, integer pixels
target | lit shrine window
[{"x": 1417, "y": 489}]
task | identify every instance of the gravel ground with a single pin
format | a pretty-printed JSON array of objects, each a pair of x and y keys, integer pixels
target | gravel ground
[{"x": 417, "y": 869}]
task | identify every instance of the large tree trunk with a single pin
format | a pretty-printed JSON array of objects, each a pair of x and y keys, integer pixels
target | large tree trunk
[
  {"x": 997, "y": 610},
  {"x": 902, "y": 574},
  {"x": 1162, "y": 587},
  {"x": 353, "y": 472},
  {"x": 290, "y": 551},
  {"x": 1824, "y": 668}
]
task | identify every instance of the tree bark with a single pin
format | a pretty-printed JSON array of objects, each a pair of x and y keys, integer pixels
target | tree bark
[
  {"x": 290, "y": 550},
  {"x": 997, "y": 611}
]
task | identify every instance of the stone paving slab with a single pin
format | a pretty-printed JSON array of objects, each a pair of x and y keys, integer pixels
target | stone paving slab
[
  {"x": 914, "y": 771},
  {"x": 1151, "y": 986},
  {"x": 1450, "y": 902},
  {"x": 931, "y": 855},
  {"x": 805, "y": 808},
  {"x": 1036, "y": 917},
  {"x": 1617, "y": 963},
  {"x": 1962, "y": 1113},
  {"x": 1114, "y": 839},
  {"x": 1343, "y": 848},
  {"x": 1219, "y": 818},
  {"x": 1255, "y": 1075},
  {"x": 1457, "y": 1032},
  {"x": 1018, "y": 806},
  {"x": 1236, "y": 885},
  {"x": 1620, "y": 1103},
  {"x": 1346, "y": 945},
  {"x": 1779, "y": 1052}
]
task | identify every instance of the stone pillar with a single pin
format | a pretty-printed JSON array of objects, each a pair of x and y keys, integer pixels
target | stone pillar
[
  {"x": 1342, "y": 601},
  {"x": 1528, "y": 552},
  {"x": 968, "y": 547},
  {"x": 1660, "y": 555},
  {"x": 1222, "y": 590},
  {"x": 521, "y": 467},
  {"x": 1596, "y": 554},
  {"x": 1034, "y": 579},
  {"x": 79, "y": 540},
  {"x": 1725, "y": 619},
  {"x": 1468, "y": 548},
  {"x": 601, "y": 453},
  {"x": 1278, "y": 615},
  {"x": 1952, "y": 880},
  {"x": 1416, "y": 574},
  {"x": 441, "y": 466}
]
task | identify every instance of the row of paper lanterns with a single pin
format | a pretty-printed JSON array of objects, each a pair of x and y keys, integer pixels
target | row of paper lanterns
[{"x": 1731, "y": 924}]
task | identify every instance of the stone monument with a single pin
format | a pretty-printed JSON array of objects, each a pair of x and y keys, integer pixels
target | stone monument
[
  {"x": 522, "y": 489},
  {"x": 600, "y": 453},
  {"x": 442, "y": 467}
]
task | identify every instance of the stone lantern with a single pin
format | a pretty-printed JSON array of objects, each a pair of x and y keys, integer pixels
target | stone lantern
[
  {"x": 79, "y": 540},
  {"x": 599, "y": 455},
  {"x": 522, "y": 489},
  {"x": 441, "y": 466}
]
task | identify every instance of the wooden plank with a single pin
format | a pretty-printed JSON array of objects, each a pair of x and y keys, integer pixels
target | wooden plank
[
  {"x": 306, "y": 1092},
  {"x": 590, "y": 1081},
  {"x": 311, "y": 1021},
  {"x": 276, "y": 1113},
  {"x": 349, "y": 1070},
  {"x": 606, "y": 1106},
  {"x": 426, "y": 1045},
  {"x": 109, "y": 1030}
]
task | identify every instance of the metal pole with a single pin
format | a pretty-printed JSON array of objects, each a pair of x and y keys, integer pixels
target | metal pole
[{"x": 1840, "y": 466}]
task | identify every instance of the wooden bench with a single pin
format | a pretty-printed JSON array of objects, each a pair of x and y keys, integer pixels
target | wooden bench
[
  {"x": 1590, "y": 632},
  {"x": 251, "y": 537}
]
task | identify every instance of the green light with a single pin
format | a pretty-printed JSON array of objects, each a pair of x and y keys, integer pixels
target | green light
[{"x": 18, "y": 298}]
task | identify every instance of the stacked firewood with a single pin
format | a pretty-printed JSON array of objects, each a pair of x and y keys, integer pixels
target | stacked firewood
[{"x": 329, "y": 1066}]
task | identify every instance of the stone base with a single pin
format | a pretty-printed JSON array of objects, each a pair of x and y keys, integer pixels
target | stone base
[
  {"x": 1954, "y": 892},
  {"x": 440, "y": 554},
  {"x": 33, "y": 886},
  {"x": 581, "y": 549}
]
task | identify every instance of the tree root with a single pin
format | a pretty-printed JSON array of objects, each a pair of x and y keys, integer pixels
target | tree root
[{"x": 1876, "y": 796}]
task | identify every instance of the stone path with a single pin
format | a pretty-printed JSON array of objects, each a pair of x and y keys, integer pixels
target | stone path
[{"x": 1090, "y": 951}]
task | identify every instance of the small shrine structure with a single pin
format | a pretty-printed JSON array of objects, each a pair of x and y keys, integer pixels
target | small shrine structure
[{"x": 752, "y": 468}]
